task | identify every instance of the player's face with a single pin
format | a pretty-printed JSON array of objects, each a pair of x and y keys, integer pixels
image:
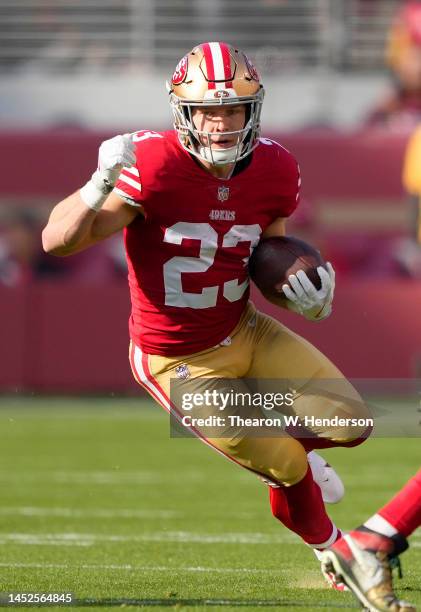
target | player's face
[{"x": 219, "y": 121}]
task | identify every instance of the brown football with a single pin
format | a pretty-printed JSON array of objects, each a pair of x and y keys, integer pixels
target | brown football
[{"x": 274, "y": 259}]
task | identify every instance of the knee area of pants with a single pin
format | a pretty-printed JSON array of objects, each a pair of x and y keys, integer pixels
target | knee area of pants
[
  {"x": 356, "y": 409},
  {"x": 292, "y": 467},
  {"x": 352, "y": 441},
  {"x": 359, "y": 427}
]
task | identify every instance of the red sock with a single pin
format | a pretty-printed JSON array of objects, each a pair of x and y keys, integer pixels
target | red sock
[
  {"x": 301, "y": 509},
  {"x": 403, "y": 511}
]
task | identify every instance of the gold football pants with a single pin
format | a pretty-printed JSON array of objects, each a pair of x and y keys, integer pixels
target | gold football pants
[{"x": 259, "y": 349}]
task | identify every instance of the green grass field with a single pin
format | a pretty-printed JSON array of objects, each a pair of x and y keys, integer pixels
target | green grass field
[{"x": 97, "y": 500}]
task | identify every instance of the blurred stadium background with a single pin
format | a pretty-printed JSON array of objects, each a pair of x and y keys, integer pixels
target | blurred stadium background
[{"x": 75, "y": 72}]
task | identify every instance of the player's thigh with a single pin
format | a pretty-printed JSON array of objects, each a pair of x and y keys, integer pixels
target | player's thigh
[
  {"x": 267, "y": 451},
  {"x": 320, "y": 389},
  {"x": 281, "y": 353}
]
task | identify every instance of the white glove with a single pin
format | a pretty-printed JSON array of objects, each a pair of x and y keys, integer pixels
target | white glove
[
  {"x": 303, "y": 297},
  {"x": 113, "y": 155}
]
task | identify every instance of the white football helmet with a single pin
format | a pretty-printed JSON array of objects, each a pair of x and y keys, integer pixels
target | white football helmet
[{"x": 215, "y": 73}]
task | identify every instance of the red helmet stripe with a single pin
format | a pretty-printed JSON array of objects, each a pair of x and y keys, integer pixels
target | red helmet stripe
[
  {"x": 210, "y": 70},
  {"x": 226, "y": 59}
]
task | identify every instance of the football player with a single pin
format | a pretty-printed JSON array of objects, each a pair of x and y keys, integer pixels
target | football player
[
  {"x": 362, "y": 559},
  {"x": 194, "y": 202}
]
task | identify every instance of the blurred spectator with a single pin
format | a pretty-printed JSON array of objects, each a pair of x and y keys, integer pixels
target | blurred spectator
[
  {"x": 408, "y": 250},
  {"x": 22, "y": 259},
  {"x": 20, "y": 255},
  {"x": 401, "y": 108}
]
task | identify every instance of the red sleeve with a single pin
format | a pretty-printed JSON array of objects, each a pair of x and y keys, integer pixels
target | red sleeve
[
  {"x": 285, "y": 176},
  {"x": 290, "y": 182},
  {"x": 292, "y": 197},
  {"x": 129, "y": 184}
]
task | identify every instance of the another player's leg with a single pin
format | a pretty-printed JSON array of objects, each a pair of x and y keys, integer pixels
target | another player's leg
[
  {"x": 402, "y": 514},
  {"x": 363, "y": 558}
]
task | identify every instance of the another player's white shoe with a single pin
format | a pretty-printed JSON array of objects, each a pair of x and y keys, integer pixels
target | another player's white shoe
[{"x": 328, "y": 480}]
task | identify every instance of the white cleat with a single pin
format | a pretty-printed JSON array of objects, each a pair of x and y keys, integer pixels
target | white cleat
[{"x": 324, "y": 475}]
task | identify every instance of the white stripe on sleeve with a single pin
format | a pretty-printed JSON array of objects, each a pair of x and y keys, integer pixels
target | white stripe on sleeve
[
  {"x": 132, "y": 170},
  {"x": 130, "y": 181}
]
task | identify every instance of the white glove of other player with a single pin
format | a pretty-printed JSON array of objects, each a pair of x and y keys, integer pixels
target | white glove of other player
[
  {"x": 113, "y": 155},
  {"x": 303, "y": 297}
]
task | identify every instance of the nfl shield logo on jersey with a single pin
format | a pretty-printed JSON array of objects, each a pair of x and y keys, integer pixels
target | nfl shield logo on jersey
[
  {"x": 182, "y": 371},
  {"x": 223, "y": 193}
]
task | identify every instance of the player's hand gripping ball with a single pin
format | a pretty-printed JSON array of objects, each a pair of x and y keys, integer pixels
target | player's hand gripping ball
[{"x": 286, "y": 267}]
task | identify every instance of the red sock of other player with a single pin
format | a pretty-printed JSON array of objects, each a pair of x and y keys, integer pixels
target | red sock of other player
[
  {"x": 300, "y": 507},
  {"x": 402, "y": 514}
]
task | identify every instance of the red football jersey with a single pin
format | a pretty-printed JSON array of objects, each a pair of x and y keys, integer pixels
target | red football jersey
[{"x": 187, "y": 257}]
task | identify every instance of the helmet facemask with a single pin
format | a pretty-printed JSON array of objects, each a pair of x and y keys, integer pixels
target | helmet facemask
[{"x": 199, "y": 143}]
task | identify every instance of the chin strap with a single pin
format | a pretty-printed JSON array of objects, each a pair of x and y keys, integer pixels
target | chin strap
[{"x": 225, "y": 156}]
